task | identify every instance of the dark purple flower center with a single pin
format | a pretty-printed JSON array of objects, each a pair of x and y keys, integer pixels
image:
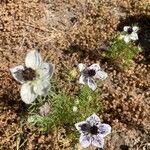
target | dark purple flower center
[
  {"x": 129, "y": 30},
  {"x": 90, "y": 129},
  {"x": 28, "y": 74},
  {"x": 94, "y": 130},
  {"x": 89, "y": 72}
]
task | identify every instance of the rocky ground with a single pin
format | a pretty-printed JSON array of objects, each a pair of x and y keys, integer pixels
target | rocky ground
[{"x": 69, "y": 32}]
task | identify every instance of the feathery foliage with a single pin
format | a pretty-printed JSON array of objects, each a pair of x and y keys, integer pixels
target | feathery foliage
[{"x": 121, "y": 52}]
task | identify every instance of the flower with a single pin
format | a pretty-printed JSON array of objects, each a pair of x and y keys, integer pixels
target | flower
[
  {"x": 44, "y": 110},
  {"x": 92, "y": 131},
  {"x": 74, "y": 109},
  {"x": 34, "y": 76},
  {"x": 130, "y": 33},
  {"x": 88, "y": 74}
]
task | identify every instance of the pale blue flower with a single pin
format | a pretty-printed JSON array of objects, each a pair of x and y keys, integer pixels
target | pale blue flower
[
  {"x": 92, "y": 131},
  {"x": 88, "y": 74}
]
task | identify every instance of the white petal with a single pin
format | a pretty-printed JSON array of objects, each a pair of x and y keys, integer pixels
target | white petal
[
  {"x": 127, "y": 38},
  {"x": 125, "y": 28},
  {"x": 75, "y": 108},
  {"x": 17, "y": 73},
  {"x": 27, "y": 93},
  {"x": 134, "y": 36},
  {"x": 98, "y": 141},
  {"x": 79, "y": 126},
  {"x": 91, "y": 83},
  {"x": 95, "y": 67},
  {"x": 101, "y": 75},
  {"x": 81, "y": 67},
  {"x": 135, "y": 29},
  {"x": 33, "y": 60},
  {"x": 93, "y": 120},
  {"x": 104, "y": 129},
  {"x": 46, "y": 70},
  {"x": 85, "y": 140},
  {"x": 41, "y": 87},
  {"x": 82, "y": 79}
]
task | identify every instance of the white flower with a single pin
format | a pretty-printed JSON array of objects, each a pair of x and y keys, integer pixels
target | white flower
[
  {"x": 34, "y": 76},
  {"x": 92, "y": 131},
  {"x": 130, "y": 33},
  {"x": 88, "y": 74},
  {"x": 74, "y": 109}
]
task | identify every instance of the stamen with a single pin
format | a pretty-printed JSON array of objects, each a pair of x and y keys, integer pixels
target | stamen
[
  {"x": 90, "y": 129},
  {"x": 29, "y": 74},
  {"x": 94, "y": 130},
  {"x": 89, "y": 72},
  {"x": 129, "y": 30}
]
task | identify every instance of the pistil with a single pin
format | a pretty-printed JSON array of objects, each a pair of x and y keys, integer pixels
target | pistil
[
  {"x": 29, "y": 74},
  {"x": 89, "y": 72},
  {"x": 129, "y": 30}
]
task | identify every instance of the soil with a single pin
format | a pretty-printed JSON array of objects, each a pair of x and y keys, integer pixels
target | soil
[{"x": 67, "y": 33}]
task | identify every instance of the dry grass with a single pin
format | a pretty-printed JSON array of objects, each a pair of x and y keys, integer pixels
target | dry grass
[{"x": 67, "y": 32}]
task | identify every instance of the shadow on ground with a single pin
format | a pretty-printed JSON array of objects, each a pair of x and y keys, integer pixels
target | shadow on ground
[
  {"x": 9, "y": 95},
  {"x": 143, "y": 21}
]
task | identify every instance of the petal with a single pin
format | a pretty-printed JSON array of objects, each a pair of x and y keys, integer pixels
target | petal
[
  {"x": 102, "y": 75},
  {"x": 46, "y": 70},
  {"x": 75, "y": 108},
  {"x": 81, "y": 67},
  {"x": 104, "y": 129},
  {"x": 27, "y": 93},
  {"x": 17, "y": 73},
  {"x": 135, "y": 29},
  {"x": 91, "y": 83},
  {"x": 82, "y": 79},
  {"x": 127, "y": 38},
  {"x": 41, "y": 87},
  {"x": 125, "y": 28},
  {"x": 33, "y": 59},
  {"x": 98, "y": 141},
  {"x": 95, "y": 67},
  {"x": 93, "y": 120},
  {"x": 82, "y": 126},
  {"x": 85, "y": 140},
  {"x": 134, "y": 36}
]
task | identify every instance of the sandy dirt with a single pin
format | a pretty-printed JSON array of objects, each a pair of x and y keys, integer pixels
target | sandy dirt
[{"x": 66, "y": 33}]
